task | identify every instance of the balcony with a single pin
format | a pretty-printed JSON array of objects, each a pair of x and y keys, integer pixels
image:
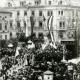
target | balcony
[
  {"x": 62, "y": 28},
  {"x": 37, "y": 28},
  {"x": 4, "y": 31},
  {"x": 71, "y": 28}
]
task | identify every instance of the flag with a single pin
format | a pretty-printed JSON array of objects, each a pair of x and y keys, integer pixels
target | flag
[
  {"x": 50, "y": 27},
  {"x": 44, "y": 19},
  {"x": 26, "y": 20},
  {"x": 32, "y": 23},
  {"x": 17, "y": 51}
]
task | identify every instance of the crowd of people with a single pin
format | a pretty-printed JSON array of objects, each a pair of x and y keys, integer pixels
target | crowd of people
[
  {"x": 28, "y": 66},
  {"x": 62, "y": 71}
]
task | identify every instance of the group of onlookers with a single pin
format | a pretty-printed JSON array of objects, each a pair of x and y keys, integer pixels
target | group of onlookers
[
  {"x": 27, "y": 59},
  {"x": 61, "y": 71}
]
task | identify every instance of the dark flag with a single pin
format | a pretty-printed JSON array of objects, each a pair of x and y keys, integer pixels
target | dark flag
[
  {"x": 32, "y": 24},
  {"x": 50, "y": 27},
  {"x": 44, "y": 19}
]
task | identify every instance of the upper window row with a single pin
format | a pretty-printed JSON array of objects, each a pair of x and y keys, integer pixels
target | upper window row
[
  {"x": 59, "y": 3},
  {"x": 49, "y": 13},
  {"x": 22, "y": 3}
]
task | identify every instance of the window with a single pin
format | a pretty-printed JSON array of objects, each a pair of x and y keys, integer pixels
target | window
[
  {"x": 25, "y": 13},
  {"x": 5, "y": 26},
  {"x": 0, "y": 36},
  {"x": 40, "y": 35},
  {"x": 5, "y": 16},
  {"x": 49, "y": 2},
  {"x": 5, "y": 36},
  {"x": 40, "y": 24},
  {"x": 34, "y": 35},
  {"x": 60, "y": 12},
  {"x": 18, "y": 13},
  {"x": 0, "y": 16},
  {"x": 49, "y": 13},
  {"x": 0, "y": 26},
  {"x": 10, "y": 34},
  {"x": 62, "y": 24},
  {"x": 18, "y": 24},
  {"x": 60, "y": 3},
  {"x": 32, "y": 12},
  {"x": 9, "y": 4},
  {"x": 40, "y": 13},
  {"x": 11, "y": 23},
  {"x": 24, "y": 24},
  {"x": 10, "y": 14},
  {"x": 22, "y": 3},
  {"x": 61, "y": 34}
]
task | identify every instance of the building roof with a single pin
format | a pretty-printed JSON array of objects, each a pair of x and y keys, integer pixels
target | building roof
[
  {"x": 3, "y": 10},
  {"x": 15, "y": 3}
]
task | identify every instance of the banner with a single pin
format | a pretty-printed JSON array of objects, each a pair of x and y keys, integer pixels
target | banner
[
  {"x": 32, "y": 23},
  {"x": 50, "y": 27},
  {"x": 26, "y": 20}
]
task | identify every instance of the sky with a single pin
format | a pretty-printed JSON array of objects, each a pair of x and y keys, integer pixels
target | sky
[{"x": 3, "y": 2}]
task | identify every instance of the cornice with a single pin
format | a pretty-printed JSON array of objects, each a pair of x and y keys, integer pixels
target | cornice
[{"x": 43, "y": 6}]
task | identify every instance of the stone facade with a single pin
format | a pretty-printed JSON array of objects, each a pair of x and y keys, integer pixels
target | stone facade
[
  {"x": 4, "y": 24},
  {"x": 66, "y": 18}
]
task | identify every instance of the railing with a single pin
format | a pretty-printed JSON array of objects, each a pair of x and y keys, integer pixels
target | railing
[
  {"x": 4, "y": 31},
  {"x": 36, "y": 28},
  {"x": 62, "y": 28}
]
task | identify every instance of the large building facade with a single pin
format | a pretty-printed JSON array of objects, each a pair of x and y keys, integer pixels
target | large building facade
[
  {"x": 4, "y": 24},
  {"x": 66, "y": 19}
]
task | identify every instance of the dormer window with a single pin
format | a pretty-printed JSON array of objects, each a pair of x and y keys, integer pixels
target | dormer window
[
  {"x": 22, "y": 3},
  {"x": 49, "y": 2},
  {"x": 9, "y": 4},
  {"x": 60, "y": 3},
  {"x": 37, "y": 2}
]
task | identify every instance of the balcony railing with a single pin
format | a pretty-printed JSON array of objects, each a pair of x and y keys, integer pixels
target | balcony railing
[
  {"x": 62, "y": 28},
  {"x": 36, "y": 28}
]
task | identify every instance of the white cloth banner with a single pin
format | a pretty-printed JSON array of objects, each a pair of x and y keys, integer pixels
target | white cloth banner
[
  {"x": 27, "y": 34},
  {"x": 17, "y": 51}
]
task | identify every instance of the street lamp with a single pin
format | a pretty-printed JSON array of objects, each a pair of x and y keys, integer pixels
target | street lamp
[
  {"x": 63, "y": 48},
  {"x": 63, "y": 60}
]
